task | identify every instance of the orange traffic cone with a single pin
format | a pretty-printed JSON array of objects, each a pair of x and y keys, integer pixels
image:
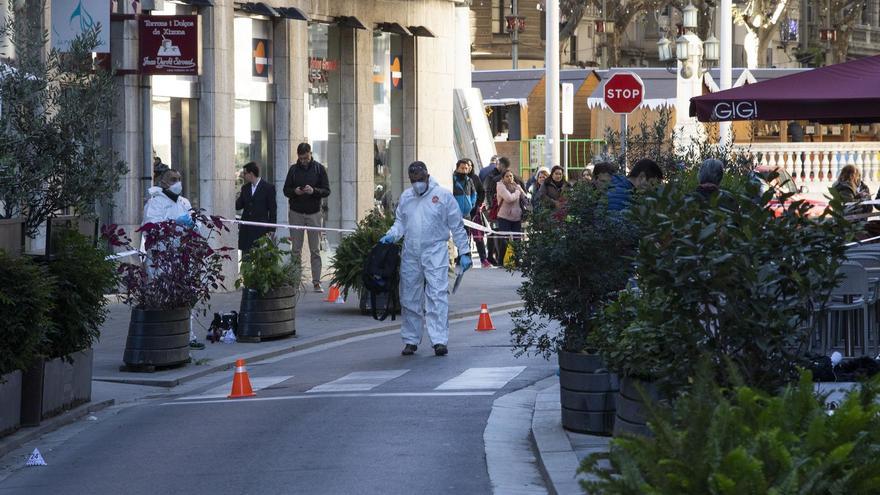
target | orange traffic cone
[
  {"x": 333, "y": 295},
  {"x": 241, "y": 384},
  {"x": 485, "y": 321}
]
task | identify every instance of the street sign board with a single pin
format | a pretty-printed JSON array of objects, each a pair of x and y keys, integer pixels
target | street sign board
[
  {"x": 567, "y": 108},
  {"x": 624, "y": 92},
  {"x": 168, "y": 44},
  {"x": 71, "y": 18}
]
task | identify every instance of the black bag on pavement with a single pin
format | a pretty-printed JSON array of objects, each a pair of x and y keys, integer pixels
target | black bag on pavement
[{"x": 381, "y": 275}]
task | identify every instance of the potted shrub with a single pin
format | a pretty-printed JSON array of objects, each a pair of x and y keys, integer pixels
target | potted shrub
[
  {"x": 573, "y": 260},
  {"x": 271, "y": 286},
  {"x": 178, "y": 269},
  {"x": 25, "y": 308},
  {"x": 745, "y": 440},
  {"x": 348, "y": 262},
  {"x": 723, "y": 277},
  {"x": 63, "y": 376}
]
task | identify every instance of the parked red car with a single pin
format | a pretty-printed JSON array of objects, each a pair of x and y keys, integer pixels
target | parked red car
[{"x": 765, "y": 175}]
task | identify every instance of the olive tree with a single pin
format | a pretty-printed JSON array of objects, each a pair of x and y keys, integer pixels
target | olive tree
[{"x": 55, "y": 121}]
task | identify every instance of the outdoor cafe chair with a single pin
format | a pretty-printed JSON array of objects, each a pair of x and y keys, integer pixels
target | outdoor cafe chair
[
  {"x": 846, "y": 315},
  {"x": 871, "y": 264}
]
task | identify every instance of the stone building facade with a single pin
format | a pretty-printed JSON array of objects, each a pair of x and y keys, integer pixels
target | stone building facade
[{"x": 368, "y": 83}]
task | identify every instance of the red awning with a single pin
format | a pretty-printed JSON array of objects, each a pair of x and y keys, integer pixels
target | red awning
[{"x": 840, "y": 93}]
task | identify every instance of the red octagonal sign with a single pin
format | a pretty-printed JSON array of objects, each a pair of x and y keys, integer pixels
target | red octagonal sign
[{"x": 624, "y": 92}]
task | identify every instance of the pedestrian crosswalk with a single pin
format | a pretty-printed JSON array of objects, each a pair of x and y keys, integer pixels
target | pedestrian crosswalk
[
  {"x": 381, "y": 383},
  {"x": 482, "y": 378},
  {"x": 358, "y": 381}
]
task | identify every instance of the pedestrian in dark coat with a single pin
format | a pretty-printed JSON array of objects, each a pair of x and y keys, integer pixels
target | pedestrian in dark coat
[
  {"x": 257, "y": 202},
  {"x": 552, "y": 188},
  {"x": 306, "y": 185}
]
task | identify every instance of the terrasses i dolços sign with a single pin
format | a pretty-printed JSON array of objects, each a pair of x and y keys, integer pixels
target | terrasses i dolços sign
[{"x": 169, "y": 44}]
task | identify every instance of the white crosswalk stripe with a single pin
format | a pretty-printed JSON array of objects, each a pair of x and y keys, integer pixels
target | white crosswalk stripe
[
  {"x": 223, "y": 391},
  {"x": 358, "y": 381},
  {"x": 482, "y": 378}
]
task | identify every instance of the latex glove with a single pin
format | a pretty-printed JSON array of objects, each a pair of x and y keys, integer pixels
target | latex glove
[
  {"x": 184, "y": 220},
  {"x": 386, "y": 239},
  {"x": 465, "y": 262}
]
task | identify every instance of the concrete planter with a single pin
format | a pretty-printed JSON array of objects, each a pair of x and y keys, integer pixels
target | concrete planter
[
  {"x": 270, "y": 316},
  {"x": 10, "y": 402},
  {"x": 53, "y": 386},
  {"x": 587, "y": 392},
  {"x": 156, "y": 339},
  {"x": 631, "y": 417}
]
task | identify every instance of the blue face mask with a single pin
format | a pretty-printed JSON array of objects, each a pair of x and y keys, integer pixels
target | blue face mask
[{"x": 420, "y": 187}]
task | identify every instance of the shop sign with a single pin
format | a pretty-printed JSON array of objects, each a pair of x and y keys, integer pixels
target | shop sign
[
  {"x": 262, "y": 58},
  {"x": 396, "y": 75},
  {"x": 70, "y": 18},
  {"x": 319, "y": 79},
  {"x": 169, "y": 44}
]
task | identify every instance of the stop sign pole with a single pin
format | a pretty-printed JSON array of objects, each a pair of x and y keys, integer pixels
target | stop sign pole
[{"x": 623, "y": 93}]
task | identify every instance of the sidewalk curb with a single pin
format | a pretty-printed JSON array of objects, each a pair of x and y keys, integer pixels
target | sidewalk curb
[
  {"x": 26, "y": 434},
  {"x": 511, "y": 460},
  {"x": 258, "y": 355},
  {"x": 556, "y": 457}
]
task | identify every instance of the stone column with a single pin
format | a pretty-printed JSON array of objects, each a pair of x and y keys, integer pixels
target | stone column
[
  {"x": 216, "y": 121},
  {"x": 356, "y": 167},
  {"x": 687, "y": 129},
  {"x": 291, "y": 82},
  {"x": 127, "y": 136}
]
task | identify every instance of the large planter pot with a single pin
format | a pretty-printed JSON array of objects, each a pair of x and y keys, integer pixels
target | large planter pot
[
  {"x": 366, "y": 305},
  {"x": 587, "y": 392},
  {"x": 631, "y": 415},
  {"x": 10, "y": 402},
  {"x": 55, "y": 385},
  {"x": 270, "y": 316},
  {"x": 156, "y": 339}
]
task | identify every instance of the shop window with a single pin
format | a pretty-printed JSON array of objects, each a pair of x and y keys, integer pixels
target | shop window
[
  {"x": 253, "y": 136},
  {"x": 254, "y": 119},
  {"x": 324, "y": 111},
  {"x": 253, "y": 51},
  {"x": 388, "y": 103},
  {"x": 176, "y": 140}
]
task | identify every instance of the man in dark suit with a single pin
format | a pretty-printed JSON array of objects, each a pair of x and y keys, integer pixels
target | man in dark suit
[{"x": 257, "y": 202}]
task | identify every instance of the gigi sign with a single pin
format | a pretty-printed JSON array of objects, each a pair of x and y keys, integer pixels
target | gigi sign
[{"x": 735, "y": 110}]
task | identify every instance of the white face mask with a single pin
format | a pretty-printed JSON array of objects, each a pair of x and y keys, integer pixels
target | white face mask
[
  {"x": 420, "y": 187},
  {"x": 176, "y": 188}
]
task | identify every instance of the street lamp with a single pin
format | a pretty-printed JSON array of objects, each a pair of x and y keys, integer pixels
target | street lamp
[
  {"x": 689, "y": 17},
  {"x": 711, "y": 46},
  {"x": 664, "y": 49}
]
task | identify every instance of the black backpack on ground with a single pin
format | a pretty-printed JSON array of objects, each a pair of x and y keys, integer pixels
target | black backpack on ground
[{"x": 381, "y": 276}]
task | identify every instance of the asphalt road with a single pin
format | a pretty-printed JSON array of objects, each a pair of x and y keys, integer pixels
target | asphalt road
[{"x": 356, "y": 418}]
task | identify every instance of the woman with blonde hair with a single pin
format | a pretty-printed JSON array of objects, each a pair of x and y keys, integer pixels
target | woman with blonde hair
[{"x": 851, "y": 189}]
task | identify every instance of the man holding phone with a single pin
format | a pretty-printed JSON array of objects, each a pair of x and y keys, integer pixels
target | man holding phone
[{"x": 305, "y": 186}]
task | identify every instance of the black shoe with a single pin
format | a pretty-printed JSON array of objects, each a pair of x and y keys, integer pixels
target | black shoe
[
  {"x": 195, "y": 344},
  {"x": 409, "y": 349},
  {"x": 440, "y": 350}
]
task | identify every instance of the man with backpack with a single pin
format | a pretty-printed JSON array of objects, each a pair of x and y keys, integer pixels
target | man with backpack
[{"x": 425, "y": 216}]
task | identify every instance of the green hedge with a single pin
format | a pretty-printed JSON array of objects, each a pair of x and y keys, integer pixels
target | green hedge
[{"x": 25, "y": 308}]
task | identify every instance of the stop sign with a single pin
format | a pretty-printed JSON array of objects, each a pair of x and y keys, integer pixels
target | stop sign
[{"x": 624, "y": 92}]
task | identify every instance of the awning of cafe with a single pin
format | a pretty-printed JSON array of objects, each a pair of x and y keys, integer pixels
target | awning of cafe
[
  {"x": 840, "y": 93},
  {"x": 513, "y": 87}
]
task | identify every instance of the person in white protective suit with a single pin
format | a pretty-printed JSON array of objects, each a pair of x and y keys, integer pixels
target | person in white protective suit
[
  {"x": 425, "y": 216},
  {"x": 166, "y": 203}
]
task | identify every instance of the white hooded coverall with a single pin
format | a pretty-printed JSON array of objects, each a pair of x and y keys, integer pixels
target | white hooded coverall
[{"x": 424, "y": 222}]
